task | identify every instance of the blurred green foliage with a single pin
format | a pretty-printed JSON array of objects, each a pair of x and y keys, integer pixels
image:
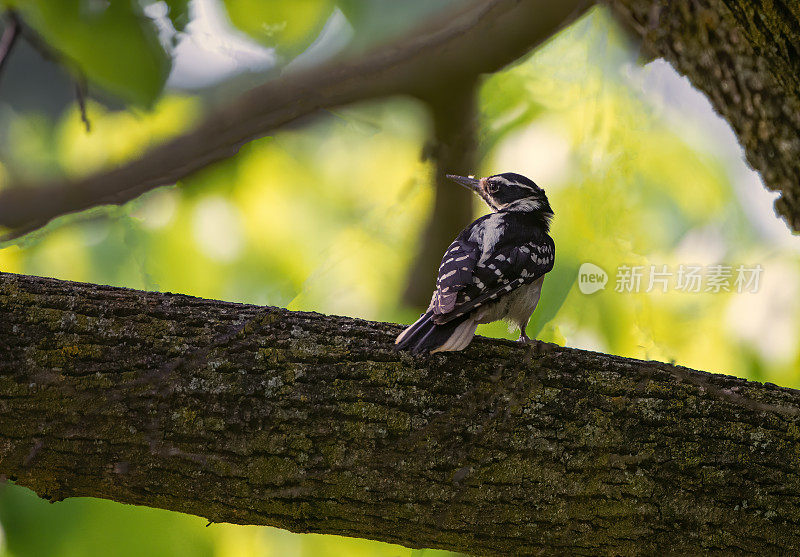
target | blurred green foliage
[
  {"x": 288, "y": 25},
  {"x": 112, "y": 43},
  {"x": 82, "y": 526},
  {"x": 327, "y": 218},
  {"x": 291, "y": 26}
]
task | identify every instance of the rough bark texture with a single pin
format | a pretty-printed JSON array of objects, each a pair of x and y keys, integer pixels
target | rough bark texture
[
  {"x": 746, "y": 57},
  {"x": 313, "y": 423}
]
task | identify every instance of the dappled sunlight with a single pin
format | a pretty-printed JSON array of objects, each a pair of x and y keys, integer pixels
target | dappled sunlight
[
  {"x": 767, "y": 320},
  {"x": 217, "y": 229},
  {"x": 118, "y": 136},
  {"x": 158, "y": 209}
]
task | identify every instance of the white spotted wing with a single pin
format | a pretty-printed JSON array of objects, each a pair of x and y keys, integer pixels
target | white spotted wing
[{"x": 465, "y": 282}]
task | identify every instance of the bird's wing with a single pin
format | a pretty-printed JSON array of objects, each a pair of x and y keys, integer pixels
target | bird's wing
[
  {"x": 455, "y": 275},
  {"x": 465, "y": 282}
]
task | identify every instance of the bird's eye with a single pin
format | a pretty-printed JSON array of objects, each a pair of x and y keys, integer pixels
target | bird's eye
[{"x": 492, "y": 187}]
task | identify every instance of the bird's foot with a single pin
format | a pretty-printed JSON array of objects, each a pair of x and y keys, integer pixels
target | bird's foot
[{"x": 523, "y": 338}]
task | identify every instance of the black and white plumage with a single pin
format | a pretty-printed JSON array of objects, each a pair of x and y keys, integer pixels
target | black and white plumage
[{"x": 493, "y": 270}]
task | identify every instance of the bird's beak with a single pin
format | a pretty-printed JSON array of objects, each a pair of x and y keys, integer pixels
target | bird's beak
[{"x": 471, "y": 183}]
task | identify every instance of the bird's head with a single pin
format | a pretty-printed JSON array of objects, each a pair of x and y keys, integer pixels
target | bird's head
[{"x": 509, "y": 192}]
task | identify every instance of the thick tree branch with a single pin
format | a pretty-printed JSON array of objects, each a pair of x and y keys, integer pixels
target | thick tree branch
[
  {"x": 746, "y": 57},
  {"x": 484, "y": 37},
  {"x": 260, "y": 415}
]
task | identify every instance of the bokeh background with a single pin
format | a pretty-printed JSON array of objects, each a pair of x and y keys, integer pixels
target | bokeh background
[{"x": 328, "y": 216}]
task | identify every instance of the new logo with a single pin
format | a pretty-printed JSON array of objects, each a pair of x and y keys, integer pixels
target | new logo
[{"x": 591, "y": 278}]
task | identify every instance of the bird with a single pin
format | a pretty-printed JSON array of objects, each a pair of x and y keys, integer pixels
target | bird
[{"x": 493, "y": 270}]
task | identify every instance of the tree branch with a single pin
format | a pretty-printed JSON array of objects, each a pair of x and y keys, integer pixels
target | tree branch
[
  {"x": 484, "y": 37},
  {"x": 258, "y": 415},
  {"x": 9, "y": 37},
  {"x": 746, "y": 58},
  {"x": 454, "y": 115}
]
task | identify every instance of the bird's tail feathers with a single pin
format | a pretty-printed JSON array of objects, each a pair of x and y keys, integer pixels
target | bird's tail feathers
[
  {"x": 426, "y": 336},
  {"x": 460, "y": 338},
  {"x": 405, "y": 338}
]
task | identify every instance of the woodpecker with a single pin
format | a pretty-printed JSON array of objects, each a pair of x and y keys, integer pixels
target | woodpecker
[{"x": 493, "y": 270}]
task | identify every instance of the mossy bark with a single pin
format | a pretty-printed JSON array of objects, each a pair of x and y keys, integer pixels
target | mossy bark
[
  {"x": 259, "y": 415},
  {"x": 746, "y": 57}
]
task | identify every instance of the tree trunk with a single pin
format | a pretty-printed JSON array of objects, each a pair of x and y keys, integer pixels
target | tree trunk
[
  {"x": 258, "y": 415},
  {"x": 452, "y": 148}
]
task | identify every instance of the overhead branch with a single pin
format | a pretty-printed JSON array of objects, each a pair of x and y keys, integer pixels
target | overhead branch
[
  {"x": 258, "y": 415},
  {"x": 483, "y": 37},
  {"x": 745, "y": 57},
  {"x": 8, "y": 38}
]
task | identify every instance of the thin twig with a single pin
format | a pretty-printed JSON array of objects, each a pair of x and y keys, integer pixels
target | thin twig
[
  {"x": 80, "y": 96},
  {"x": 10, "y": 34}
]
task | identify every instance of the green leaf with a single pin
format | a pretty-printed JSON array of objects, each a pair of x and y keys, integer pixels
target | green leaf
[
  {"x": 289, "y": 26},
  {"x": 112, "y": 43},
  {"x": 178, "y": 13}
]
